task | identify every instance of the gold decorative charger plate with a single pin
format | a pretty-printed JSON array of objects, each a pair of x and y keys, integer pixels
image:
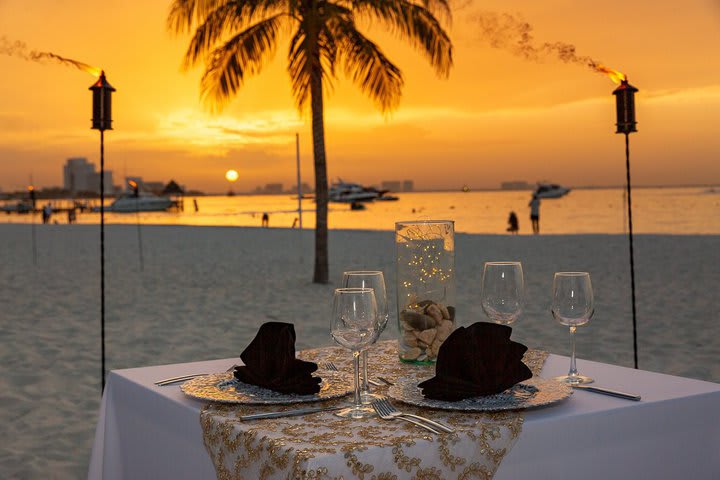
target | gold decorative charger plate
[
  {"x": 224, "y": 388},
  {"x": 535, "y": 392}
]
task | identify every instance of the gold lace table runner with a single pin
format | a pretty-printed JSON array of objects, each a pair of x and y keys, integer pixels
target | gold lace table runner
[{"x": 323, "y": 446}]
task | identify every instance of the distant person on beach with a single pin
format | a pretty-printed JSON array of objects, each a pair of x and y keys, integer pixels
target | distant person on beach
[
  {"x": 535, "y": 213},
  {"x": 46, "y": 213},
  {"x": 513, "y": 225},
  {"x": 265, "y": 220},
  {"x": 71, "y": 216}
]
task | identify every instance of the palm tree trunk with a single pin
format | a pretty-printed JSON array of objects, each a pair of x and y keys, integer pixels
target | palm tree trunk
[{"x": 321, "y": 186}]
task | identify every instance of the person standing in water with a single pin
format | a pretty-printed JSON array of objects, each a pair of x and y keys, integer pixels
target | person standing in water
[{"x": 535, "y": 213}]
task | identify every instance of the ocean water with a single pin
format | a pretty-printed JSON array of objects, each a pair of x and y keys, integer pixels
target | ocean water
[{"x": 654, "y": 210}]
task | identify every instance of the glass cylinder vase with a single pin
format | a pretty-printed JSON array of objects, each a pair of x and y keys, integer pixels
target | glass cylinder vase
[{"x": 425, "y": 288}]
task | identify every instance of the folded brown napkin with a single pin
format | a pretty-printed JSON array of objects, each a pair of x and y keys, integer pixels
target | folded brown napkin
[
  {"x": 270, "y": 362},
  {"x": 477, "y": 360}
]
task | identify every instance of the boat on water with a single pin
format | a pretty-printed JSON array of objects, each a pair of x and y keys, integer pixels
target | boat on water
[
  {"x": 144, "y": 202},
  {"x": 19, "y": 207},
  {"x": 387, "y": 198},
  {"x": 550, "y": 190},
  {"x": 345, "y": 192}
]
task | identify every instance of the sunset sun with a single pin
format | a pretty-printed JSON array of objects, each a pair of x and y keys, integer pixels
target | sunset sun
[{"x": 231, "y": 175}]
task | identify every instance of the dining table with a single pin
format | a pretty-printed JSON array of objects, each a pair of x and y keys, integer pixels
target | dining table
[{"x": 146, "y": 431}]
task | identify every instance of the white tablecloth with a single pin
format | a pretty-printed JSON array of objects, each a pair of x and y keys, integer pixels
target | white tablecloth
[{"x": 149, "y": 432}]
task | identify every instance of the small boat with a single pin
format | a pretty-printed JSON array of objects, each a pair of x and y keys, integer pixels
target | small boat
[
  {"x": 19, "y": 207},
  {"x": 550, "y": 190},
  {"x": 344, "y": 192},
  {"x": 144, "y": 202},
  {"x": 387, "y": 198}
]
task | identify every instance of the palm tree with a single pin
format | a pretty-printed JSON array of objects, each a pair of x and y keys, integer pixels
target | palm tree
[{"x": 234, "y": 38}]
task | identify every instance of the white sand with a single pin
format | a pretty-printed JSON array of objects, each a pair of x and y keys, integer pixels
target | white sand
[{"x": 204, "y": 292}]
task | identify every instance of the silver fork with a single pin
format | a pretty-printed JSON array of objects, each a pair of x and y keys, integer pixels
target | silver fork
[
  {"x": 387, "y": 415},
  {"x": 182, "y": 378},
  {"x": 331, "y": 366},
  {"x": 390, "y": 410}
]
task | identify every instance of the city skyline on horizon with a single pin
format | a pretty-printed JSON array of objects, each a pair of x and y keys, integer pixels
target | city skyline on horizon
[
  {"x": 271, "y": 186},
  {"x": 499, "y": 117}
]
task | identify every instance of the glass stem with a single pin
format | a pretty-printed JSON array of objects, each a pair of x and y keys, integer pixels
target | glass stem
[
  {"x": 365, "y": 385},
  {"x": 356, "y": 363},
  {"x": 573, "y": 370}
]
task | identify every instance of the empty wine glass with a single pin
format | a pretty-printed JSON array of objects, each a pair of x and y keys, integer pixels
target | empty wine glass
[
  {"x": 503, "y": 289},
  {"x": 573, "y": 305},
  {"x": 354, "y": 326},
  {"x": 369, "y": 279}
]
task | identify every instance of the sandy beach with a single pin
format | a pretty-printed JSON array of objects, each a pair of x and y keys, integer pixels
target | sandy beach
[{"x": 204, "y": 291}]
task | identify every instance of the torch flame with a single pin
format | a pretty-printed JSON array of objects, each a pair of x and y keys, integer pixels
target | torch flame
[
  {"x": 132, "y": 183},
  {"x": 68, "y": 61},
  {"x": 614, "y": 75},
  {"x": 20, "y": 49}
]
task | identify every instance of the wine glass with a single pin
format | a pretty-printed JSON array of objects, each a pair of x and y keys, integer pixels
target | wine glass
[
  {"x": 354, "y": 326},
  {"x": 369, "y": 279},
  {"x": 572, "y": 305},
  {"x": 503, "y": 289}
]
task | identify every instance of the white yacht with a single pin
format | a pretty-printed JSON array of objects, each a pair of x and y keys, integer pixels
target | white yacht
[
  {"x": 550, "y": 190},
  {"x": 144, "y": 202},
  {"x": 351, "y": 192}
]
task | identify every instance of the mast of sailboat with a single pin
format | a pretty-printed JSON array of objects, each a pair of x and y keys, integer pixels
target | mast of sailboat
[{"x": 299, "y": 188}]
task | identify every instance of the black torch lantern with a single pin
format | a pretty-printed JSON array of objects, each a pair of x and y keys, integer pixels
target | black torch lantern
[
  {"x": 625, "y": 105},
  {"x": 102, "y": 104},
  {"x": 626, "y": 124},
  {"x": 102, "y": 120}
]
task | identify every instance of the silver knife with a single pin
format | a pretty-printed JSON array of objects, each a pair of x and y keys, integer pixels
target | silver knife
[
  {"x": 182, "y": 378},
  {"x": 607, "y": 391},
  {"x": 290, "y": 413}
]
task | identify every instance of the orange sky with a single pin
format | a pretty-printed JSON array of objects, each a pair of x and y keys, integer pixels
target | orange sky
[{"x": 498, "y": 117}]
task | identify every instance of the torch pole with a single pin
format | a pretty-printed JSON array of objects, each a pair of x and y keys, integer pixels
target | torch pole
[
  {"x": 139, "y": 234},
  {"x": 299, "y": 189},
  {"x": 102, "y": 258},
  {"x": 32, "y": 213},
  {"x": 632, "y": 254}
]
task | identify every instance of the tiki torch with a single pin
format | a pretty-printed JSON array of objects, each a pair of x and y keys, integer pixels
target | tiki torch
[
  {"x": 626, "y": 124},
  {"x": 102, "y": 120}
]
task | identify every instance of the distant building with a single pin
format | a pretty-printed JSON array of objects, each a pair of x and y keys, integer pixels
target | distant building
[
  {"x": 398, "y": 186},
  {"x": 516, "y": 185},
  {"x": 273, "y": 189},
  {"x": 154, "y": 187},
  {"x": 95, "y": 182},
  {"x": 391, "y": 185},
  {"x": 79, "y": 175}
]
